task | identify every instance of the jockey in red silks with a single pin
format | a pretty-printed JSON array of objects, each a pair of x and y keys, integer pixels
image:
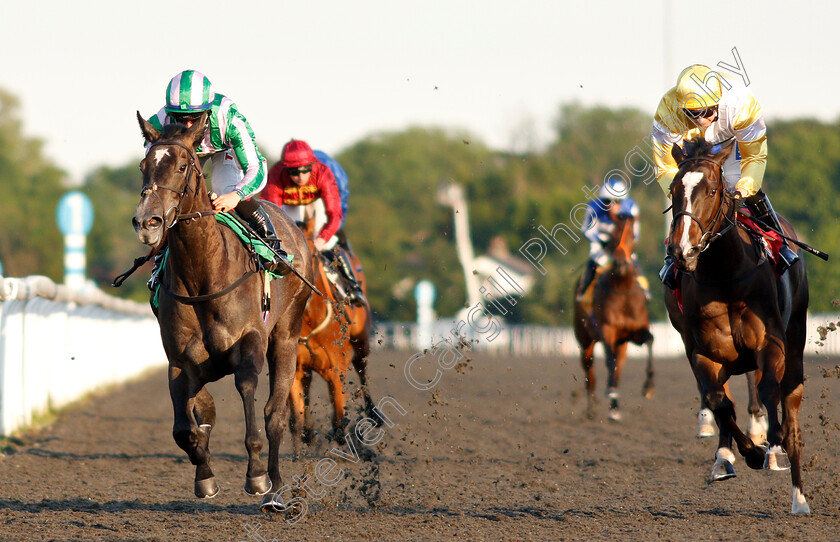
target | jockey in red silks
[{"x": 305, "y": 187}]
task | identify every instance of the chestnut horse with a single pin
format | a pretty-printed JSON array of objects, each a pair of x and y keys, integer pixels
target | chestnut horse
[
  {"x": 211, "y": 312},
  {"x": 735, "y": 316},
  {"x": 334, "y": 335},
  {"x": 619, "y": 315}
]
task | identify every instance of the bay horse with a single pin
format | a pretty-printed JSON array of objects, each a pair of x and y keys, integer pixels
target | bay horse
[
  {"x": 619, "y": 315},
  {"x": 334, "y": 335},
  {"x": 735, "y": 316},
  {"x": 212, "y": 315}
]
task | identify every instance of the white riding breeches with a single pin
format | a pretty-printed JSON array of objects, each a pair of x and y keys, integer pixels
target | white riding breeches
[{"x": 300, "y": 213}]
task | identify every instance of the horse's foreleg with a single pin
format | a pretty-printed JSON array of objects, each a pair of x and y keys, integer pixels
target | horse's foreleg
[
  {"x": 188, "y": 435},
  {"x": 793, "y": 388},
  {"x": 247, "y": 377},
  {"x": 616, "y": 356}
]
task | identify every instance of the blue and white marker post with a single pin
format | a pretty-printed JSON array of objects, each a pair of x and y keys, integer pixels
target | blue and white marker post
[
  {"x": 424, "y": 294},
  {"x": 75, "y": 219}
]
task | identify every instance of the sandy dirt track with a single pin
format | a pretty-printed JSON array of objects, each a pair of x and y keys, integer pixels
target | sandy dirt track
[{"x": 498, "y": 450}]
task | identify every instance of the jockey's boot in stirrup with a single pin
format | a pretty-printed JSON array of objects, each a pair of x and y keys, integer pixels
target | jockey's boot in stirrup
[
  {"x": 342, "y": 240},
  {"x": 261, "y": 222},
  {"x": 586, "y": 279},
  {"x": 759, "y": 205},
  {"x": 154, "y": 280},
  {"x": 669, "y": 274},
  {"x": 355, "y": 295}
]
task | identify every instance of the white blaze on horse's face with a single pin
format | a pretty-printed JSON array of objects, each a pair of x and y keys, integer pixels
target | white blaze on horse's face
[
  {"x": 690, "y": 181},
  {"x": 160, "y": 154}
]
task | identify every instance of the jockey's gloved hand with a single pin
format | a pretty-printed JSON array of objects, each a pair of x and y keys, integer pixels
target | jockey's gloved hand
[{"x": 320, "y": 244}]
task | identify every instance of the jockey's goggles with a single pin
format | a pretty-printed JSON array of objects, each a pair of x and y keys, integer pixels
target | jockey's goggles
[
  {"x": 704, "y": 113},
  {"x": 295, "y": 171}
]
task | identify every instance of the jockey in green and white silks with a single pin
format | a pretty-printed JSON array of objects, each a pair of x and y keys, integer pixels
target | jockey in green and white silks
[
  {"x": 238, "y": 165},
  {"x": 239, "y": 169}
]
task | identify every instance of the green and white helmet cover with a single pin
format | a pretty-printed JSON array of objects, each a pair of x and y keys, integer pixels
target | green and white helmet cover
[{"x": 188, "y": 92}]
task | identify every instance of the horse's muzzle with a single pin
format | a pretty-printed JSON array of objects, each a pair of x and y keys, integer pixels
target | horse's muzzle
[
  {"x": 685, "y": 260},
  {"x": 149, "y": 228}
]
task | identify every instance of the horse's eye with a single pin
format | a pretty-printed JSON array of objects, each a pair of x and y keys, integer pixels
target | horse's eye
[
  {"x": 713, "y": 192},
  {"x": 183, "y": 168}
]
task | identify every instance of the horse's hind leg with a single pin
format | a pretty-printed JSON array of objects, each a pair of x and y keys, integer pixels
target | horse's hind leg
[
  {"x": 308, "y": 418},
  {"x": 361, "y": 349},
  {"x": 336, "y": 387},
  {"x": 587, "y": 361},
  {"x": 282, "y": 364},
  {"x": 297, "y": 406},
  {"x": 757, "y": 424},
  {"x": 647, "y": 387},
  {"x": 247, "y": 377},
  {"x": 188, "y": 435}
]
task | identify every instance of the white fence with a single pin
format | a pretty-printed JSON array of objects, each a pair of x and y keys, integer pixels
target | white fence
[
  {"x": 57, "y": 344},
  {"x": 823, "y": 339}
]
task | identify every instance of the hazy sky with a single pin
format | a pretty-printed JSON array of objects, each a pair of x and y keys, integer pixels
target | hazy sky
[{"x": 332, "y": 72}]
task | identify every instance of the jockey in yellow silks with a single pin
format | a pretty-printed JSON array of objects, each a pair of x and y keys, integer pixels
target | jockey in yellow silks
[{"x": 705, "y": 103}]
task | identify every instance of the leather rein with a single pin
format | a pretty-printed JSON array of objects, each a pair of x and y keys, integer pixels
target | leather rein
[{"x": 192, "y": 172}]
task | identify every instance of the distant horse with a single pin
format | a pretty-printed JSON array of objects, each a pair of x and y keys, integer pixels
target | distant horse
[
  {"x": 334, "y": 335},
  {"x": 734, "y": 316},
  {"x": 211, "y": 309},
  {"x": 619, "y": 315}
]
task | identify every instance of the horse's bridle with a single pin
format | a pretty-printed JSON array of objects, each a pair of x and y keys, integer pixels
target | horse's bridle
[
  {"x": 191, "y": 167},
  {"x": 709, "y": 234}
]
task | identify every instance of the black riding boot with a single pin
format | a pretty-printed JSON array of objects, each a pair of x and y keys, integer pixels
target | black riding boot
[
  {"x": 760, "y": 207},
  {"x": 669, "y": 274},
  {"x": 586, "y": 279},
  {"x": 356, "y": 296},
  {"x": 258, "y": 219},
  {"x": 342, "y": 240}
]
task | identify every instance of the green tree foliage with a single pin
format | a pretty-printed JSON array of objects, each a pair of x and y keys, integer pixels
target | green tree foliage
[
  {"x": 403, "y": 234},
  {"x": 112, "y": 243},
  {"x": 30, "y": 243}
]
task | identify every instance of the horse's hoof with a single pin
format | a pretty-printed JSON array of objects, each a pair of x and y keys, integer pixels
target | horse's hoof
[
  {"x": 207, "y": 488},
  {"x": 258, "y": 485},
  {"x": 799, "y": 505},
  {"x": 273, "y": 503},
  {"x": 612, "y": 393},
  {"x": 614, "y": 415},
  {"x": 776, "y": 459},
  {"x": 705, "y": 427},
  {"x": 647, "y": 392},
  {"x": 757, "y": 430},
  {"x": 722, "y": 470}
]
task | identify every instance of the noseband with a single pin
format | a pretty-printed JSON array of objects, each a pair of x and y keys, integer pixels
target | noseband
[
  {"x": 710, "y": 233},
  {"x": 154, "y": 187}
]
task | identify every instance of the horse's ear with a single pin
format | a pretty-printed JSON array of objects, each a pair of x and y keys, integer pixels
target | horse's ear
[
  {"x": 677, "y": 153},
  {"x": 196, "y": 132},
  {"x": 150, "y": 133}
]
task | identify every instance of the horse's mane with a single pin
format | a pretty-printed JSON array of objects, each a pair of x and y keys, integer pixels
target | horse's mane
[
  {"x": 696, "y": 147},
  {"x": 173, "y": 130}
]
